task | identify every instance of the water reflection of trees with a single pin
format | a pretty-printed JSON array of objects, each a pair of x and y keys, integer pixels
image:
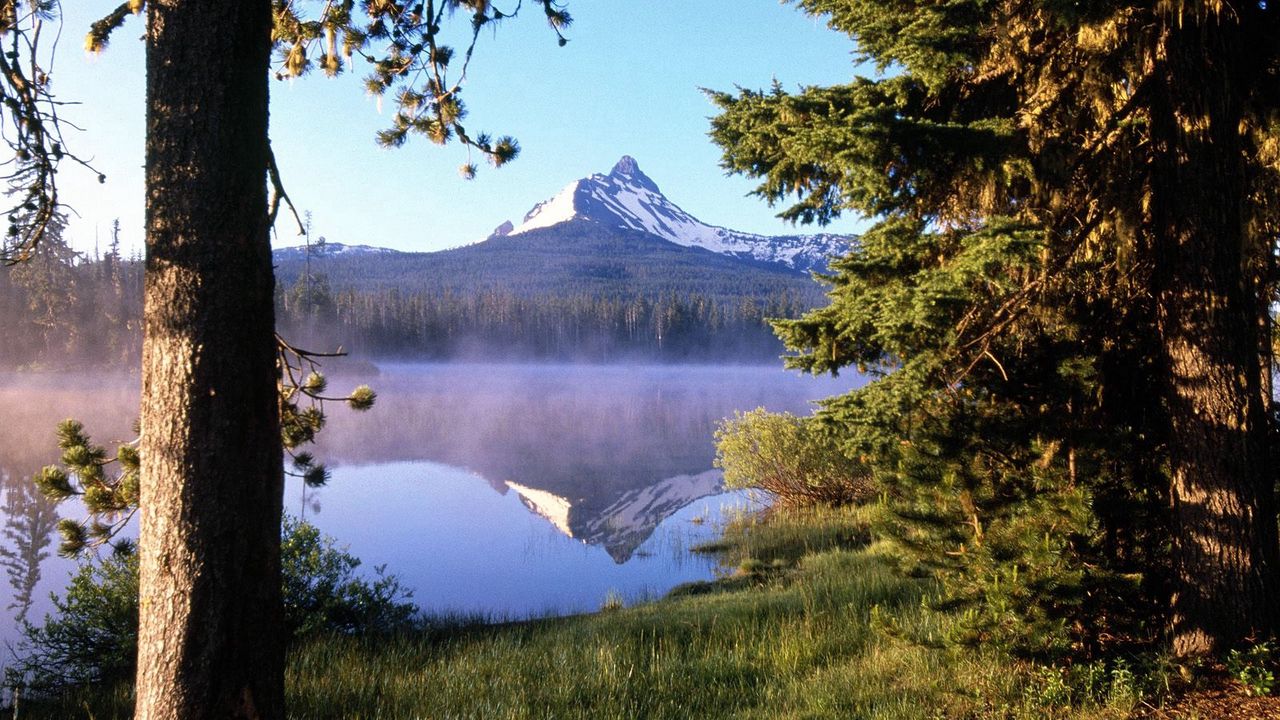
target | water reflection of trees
[
  {"x": 31, "y": 406},
  {"x": 29, "y": 522}
]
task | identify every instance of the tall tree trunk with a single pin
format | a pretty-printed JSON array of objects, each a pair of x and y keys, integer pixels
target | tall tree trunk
[
  {"x": 209, "y": 631},
  {"x": 1209, "y": 298}
]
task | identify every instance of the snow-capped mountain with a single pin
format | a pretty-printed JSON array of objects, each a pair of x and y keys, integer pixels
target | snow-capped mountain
[{"x": 627, "y": 198}]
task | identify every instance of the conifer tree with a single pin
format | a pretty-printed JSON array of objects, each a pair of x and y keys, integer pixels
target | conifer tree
[
  {"x": 1066, "y": 295},
  {"x": 210, "y": 473},
  {"x": 47, "y": 279}
]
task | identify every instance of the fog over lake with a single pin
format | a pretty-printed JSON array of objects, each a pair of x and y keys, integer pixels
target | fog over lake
[{"x": 499, "y": 490}]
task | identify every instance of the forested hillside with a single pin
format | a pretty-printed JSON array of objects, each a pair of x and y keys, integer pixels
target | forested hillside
[
  {"x": 575, "y": 257},
  {"x": 577, "y": 291}
]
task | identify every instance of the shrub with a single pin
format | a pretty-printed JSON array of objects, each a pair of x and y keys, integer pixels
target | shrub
[
  {"x": 323, "y": 594},
  {"x": 792, "y": 458},
  {"x": 92, "y": 636}
]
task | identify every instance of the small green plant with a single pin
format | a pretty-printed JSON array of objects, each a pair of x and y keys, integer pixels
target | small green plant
[
  {"x": 1254, "y": 668},
  {"x": 1114, "y": 684},
  {"x": 612, "y": 601},
  {"x": 92, "y": 637},
  {"x": 323, "y": 593},
  {"x": 1049, "y": 688},
  {"x": 1123, "y": 684}
]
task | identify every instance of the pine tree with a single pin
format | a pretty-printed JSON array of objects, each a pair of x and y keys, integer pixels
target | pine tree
[
  {"x": 211, "y": 468},
  {"x": 1066, "y": 295},
  {"x": 47, "y": 278}
]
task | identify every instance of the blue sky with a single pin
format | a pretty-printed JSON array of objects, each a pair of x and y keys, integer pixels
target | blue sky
[{"x": 627, "y": 83}]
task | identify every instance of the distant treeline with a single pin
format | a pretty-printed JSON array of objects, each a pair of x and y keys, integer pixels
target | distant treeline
[
  {"x": 501, "y": 325},
  {"x": 60, "y": 309},
  {"x": 66, "y": 310}
]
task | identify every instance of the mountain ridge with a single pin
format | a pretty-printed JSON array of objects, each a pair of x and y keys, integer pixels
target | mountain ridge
[
  {"x": 577, "y": 256},
  {"x": 325, "y": 249}
]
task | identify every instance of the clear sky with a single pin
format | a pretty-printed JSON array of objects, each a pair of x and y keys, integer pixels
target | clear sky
[{"x": 627, "y": 83}]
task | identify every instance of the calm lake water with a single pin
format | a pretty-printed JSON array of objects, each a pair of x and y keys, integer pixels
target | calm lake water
[{"x": 496, "y": 490}]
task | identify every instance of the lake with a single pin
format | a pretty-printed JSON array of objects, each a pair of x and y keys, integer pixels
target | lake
[{"x": 503, "y": 491}]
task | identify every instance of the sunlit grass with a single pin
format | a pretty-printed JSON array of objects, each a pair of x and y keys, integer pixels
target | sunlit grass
[{"x": 809, "y": 622}]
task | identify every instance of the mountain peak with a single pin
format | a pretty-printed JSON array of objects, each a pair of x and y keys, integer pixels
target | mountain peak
[
  {"x": 627, "y": 171},
  {"x": 626, "y": 165},
  {"x": 627, "y": 198}
]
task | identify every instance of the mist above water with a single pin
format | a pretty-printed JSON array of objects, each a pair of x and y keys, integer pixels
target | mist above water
[
  {"x": 603, "y": 423},
  {"x": 503, "y": 490}
]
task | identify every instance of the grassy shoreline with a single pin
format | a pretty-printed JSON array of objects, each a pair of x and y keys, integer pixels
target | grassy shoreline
[{"x": 812, "y": 623}]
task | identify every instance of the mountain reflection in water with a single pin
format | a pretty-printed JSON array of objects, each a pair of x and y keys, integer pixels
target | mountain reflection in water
[
  {"x": 603, "y": 477},
  {"x": 603, "y": 453},
  {"x": 628, "y": 521}
]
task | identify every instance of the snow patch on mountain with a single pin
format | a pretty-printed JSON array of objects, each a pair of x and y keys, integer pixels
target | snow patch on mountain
[
  {"x": 331, "y": 249},
  {"x": 558, "y": 209},
  {"x": 627, "y": 198}
]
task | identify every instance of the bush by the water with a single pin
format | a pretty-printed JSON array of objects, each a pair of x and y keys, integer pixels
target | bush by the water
[
  {"x": 322, "y": 592},
  {"x": 92, "y": 636},
  {"x": 789, "y": 457}
]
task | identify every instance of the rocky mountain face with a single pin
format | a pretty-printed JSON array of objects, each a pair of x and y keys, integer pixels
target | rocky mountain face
[{"x": 627, "y": 198}]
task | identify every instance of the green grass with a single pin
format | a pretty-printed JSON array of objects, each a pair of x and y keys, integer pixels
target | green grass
[{"x": 811, "y": 623}]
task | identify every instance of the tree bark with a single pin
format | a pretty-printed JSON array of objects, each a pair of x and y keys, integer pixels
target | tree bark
[
  {"x": 1210, "y": 298},
  {"x": 212, "y": 483}
]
